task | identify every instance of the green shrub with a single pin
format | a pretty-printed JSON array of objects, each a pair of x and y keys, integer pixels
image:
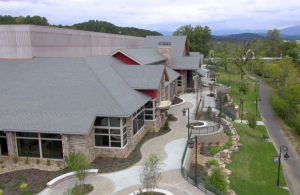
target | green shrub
[
  {"x": 23, "y": 185},
  {"x": 15, "y": 159},
  {"x": 37, "y": 161},
  {"x": 228, "y": 132},
  {"x": 48, "y": 162},
  {"x": 214, "y": 150},
  {"x": 213, "y": 162},
  {"x": 26, "y": 161},
  {"x": 218, "y": 180},
  {"x": 1, "y": 192}
]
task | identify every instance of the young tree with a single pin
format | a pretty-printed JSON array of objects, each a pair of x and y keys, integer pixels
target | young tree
[
  {"x": 272, "y": 43},
  {"x": 218, "y": 180},
  {"x": 251, "y": 120},
  {"x": 78, "y": 163},
  {"x": 150, "y": 172}
]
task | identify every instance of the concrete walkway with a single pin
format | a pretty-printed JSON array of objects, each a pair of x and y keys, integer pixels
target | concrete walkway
[
  {"x": 291, "y": 167},
  {"x": 169, "y": 146}
]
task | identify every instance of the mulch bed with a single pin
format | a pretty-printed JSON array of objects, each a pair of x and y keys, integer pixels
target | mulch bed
[
  {"x": 201, "y": 171},
  {"x": 176, "y": 100},
  {"x": 35, "y": 179}
]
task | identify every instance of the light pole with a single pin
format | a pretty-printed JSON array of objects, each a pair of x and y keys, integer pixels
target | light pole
[
  {"x": 217, "y": 99},
  {"x": 286, "y": 156},
  {"x": 256, "y": 102},
  {"x": 184, "y": 114},
  {"x": 193, "y": 144},
  {"x": 256, "y": 82},
  {"x": 241, "y": 108},
  {"x": 228, "y": 78}
]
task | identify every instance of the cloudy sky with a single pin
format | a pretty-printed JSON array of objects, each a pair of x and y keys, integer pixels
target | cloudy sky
[{"x": 163, "y": 15}]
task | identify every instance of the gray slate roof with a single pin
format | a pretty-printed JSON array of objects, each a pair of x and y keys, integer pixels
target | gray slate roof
[
  {"x": 177, "y": 43},
  {"x": 144, "y": 55},
  {"x": 185, "y": 63},
  {"x": 173, "y": 75},
  {"x": 63, "y": 95},
  {"x": 141, "y": 77},
  {"x": 202, "y": 72}
]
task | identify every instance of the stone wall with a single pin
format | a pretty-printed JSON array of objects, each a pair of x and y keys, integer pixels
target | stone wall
[
  {"x": 155, "y": 124},
  {"x": 213, "y": 137},
  {"x": 79, "y": 143},
  {"x": 164, "y": 48},
  {"x": 11, "y": 143},
  {"x": 224, "y": 90}
]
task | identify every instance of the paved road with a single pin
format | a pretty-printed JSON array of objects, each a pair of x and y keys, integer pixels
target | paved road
[{"x": 291, "y": 167}]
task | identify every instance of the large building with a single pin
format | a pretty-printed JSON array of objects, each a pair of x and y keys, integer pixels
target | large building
[{"x": 52, "y": 106}]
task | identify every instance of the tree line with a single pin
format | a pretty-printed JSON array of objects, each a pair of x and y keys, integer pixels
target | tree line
[{"x": 91, "y": 25}]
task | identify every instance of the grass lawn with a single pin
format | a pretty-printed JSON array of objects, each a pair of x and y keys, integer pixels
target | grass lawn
[
  {"x": 249, "y": 98},
  {"x": 253, "y": 167}
]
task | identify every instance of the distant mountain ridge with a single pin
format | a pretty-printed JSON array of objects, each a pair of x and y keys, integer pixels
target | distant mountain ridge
[{"x": 295, "y": 30}]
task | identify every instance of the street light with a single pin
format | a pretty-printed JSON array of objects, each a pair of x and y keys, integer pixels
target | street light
[
  {"x": 256, "y": 102},
  {"x": 228, "y": 78},
  {"x": 241, "y": 108},
  {"x": 286, "y": 156},
  {"x": 184, "y": 114},
  {"x": 217, "y": 99},
  {"x": 256, "y": 82},
  {"x": 193, "y": 144}
]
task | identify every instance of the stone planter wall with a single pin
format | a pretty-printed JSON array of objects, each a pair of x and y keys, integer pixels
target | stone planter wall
[
  {"x": 217, "y": 136},
  {"x": 224, "y": 89}
]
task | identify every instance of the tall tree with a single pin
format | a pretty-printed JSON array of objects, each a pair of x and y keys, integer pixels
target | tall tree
[
  {"x": 199, "y": 37},
  {"x": 272, "y": 43}
]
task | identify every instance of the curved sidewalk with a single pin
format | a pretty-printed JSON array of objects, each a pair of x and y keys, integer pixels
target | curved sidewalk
[
  {"x": 291, "y": 166},
  {"x": 169, "y": 146}
]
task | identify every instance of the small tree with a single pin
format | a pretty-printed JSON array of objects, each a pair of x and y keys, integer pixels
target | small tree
[
  {"x": 218, "y": 180},
  {"x": 251, "y": 120},
  {"x": 150, "y": 172},
  {"x": 77, "y": 162},
  {"x": 243, "y": 86}
]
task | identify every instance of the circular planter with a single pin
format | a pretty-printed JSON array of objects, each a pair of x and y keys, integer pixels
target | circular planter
[
  {"x": 155, "y": 190},
  {"x": 204, "y": 124}
]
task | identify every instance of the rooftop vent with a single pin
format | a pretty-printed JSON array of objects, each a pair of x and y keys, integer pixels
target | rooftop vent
[{"x": 164, "y": 43}]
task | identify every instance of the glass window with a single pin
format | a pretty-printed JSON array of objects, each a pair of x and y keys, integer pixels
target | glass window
[
  {"x": 114, "y": 122},
  {"x": 2, "y": 133},
  {"x": 52, "y": 149},
  {"x": 149, "y": 112},
  {"x": 149, "y": 104},
  {"x": 116, "y": 144},
  {"x": 124, "y": 130},
  {"x": 148, "y": 117},
  {"x": 124, "y": 121},
  {"x": 115, "y": 138},
  {"x": 28, "y": 147},
  {"x": 101, "y": 121},
  {"x": 102, "y": 131},
  {"x": 24, "y": 134},
  {"x": 3, "y": 147},
  {"x": 102, "y": 140},
  {"x": 115, "y": 131},
  {"x": 47, "y": 135}
]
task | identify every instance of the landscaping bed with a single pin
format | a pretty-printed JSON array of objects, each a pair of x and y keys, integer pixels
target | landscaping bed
[{"x": 35, "y": 179}]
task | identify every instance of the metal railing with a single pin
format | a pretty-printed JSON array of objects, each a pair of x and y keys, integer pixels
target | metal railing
[
  {"x": 226, "y": 112},
  {"x": 200, "y": 184}
]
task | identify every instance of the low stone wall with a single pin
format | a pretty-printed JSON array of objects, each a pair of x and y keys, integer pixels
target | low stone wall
[
  {"x": 217, "y": 136},
  {"x": 224, "y": 89}
]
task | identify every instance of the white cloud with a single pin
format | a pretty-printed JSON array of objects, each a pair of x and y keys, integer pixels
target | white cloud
[{"x": 166, "y": 15}]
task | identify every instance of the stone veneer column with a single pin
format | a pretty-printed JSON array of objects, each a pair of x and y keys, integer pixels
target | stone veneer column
[
  {"x": 79, "y": 144},
  {"x": 184, "y": 80},
  {"x": 11, "y": 143},
  {"x": 164, "y": 48},
  {"x": 129, "y": 130}
]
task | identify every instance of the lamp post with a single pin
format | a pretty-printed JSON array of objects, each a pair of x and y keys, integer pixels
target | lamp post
[
  {"x": 228, "y": 78},
  {"x": 286, "y": 156},
  {"x": 256, "y": 82},
  {"x": 256, "y": 102},
  {"x": 184, "y": 114},
  {"x": 217, "y": 99},
  {"x": 241, "y": 108},
  {"x": 193, "y": 144}
]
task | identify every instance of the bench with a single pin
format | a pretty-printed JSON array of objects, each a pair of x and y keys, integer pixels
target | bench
[
  {"x": 265, "y": 137},
  {"x": 66, "y": 176}
]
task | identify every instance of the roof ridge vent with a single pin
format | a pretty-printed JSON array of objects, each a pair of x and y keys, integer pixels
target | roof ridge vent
[{"x": 164, "y": 43}]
